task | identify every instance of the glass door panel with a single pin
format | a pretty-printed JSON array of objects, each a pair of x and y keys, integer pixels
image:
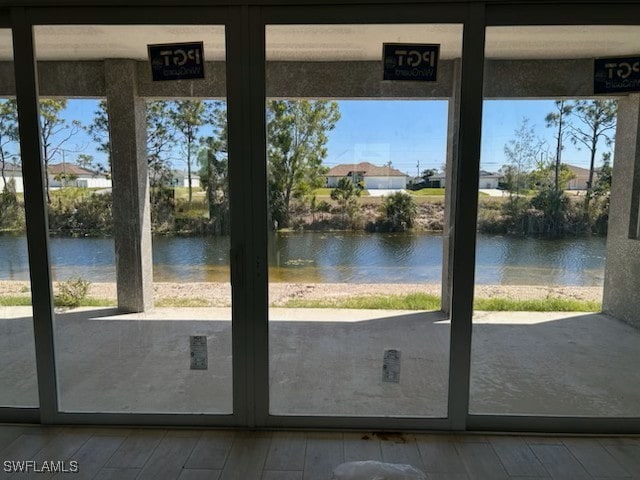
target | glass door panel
[
  {"x": 553, "y": 252},
  {"x": 356, "y": 169},
  {"x": 138, "y": 208},
  {"x": 18, "y": 377}
]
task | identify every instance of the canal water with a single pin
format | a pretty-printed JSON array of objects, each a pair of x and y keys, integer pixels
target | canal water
[{"x": 357, "y": 257}]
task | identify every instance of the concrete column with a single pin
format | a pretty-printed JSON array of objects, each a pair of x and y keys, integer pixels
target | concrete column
[
  {"x": 622, "y": 267},
  {"x": 451, "y": 173},
  {"x": 131, "y": 208}
]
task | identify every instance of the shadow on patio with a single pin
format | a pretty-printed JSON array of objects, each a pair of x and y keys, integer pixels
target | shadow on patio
[{"x": 329, "y": 362}]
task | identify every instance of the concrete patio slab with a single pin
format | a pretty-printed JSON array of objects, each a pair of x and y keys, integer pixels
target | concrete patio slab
[{"x": 329, "y": 362}]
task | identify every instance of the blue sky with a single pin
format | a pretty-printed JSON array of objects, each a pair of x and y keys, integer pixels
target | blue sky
[{"x": 405, "y": 132}]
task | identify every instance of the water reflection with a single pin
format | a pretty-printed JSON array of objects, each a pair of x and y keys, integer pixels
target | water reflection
[
  {"x": 540, "y": 261},
  {"x": 355, "y": 257}
]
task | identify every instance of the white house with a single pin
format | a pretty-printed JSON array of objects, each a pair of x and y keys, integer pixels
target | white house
[
  {"x": 69, "y": 175},
  {"x": 487, "y": 180},
  {"x": 179, "y": 178},
  {"x": 580, "y": 177},
  {"x": 60, "y": 175},
  {"x": 372, "y": 176}
]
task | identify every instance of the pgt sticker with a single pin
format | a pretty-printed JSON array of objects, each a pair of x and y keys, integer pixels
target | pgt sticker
[
  {"x": 176, "y": 61},
  {"x": 412, "y": 62},
  {"x": 616, "y": 75}
]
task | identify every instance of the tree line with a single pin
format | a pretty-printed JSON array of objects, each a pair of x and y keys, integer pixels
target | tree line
[
  {"x": 537, "y": 179},
  {"x": 193, "y": 133}
]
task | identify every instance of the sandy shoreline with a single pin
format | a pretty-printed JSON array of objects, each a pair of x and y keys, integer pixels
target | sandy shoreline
[{"x": 219, "y": 294}]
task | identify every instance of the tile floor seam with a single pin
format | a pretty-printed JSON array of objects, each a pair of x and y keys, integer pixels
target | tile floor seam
[
  {"x": 228, "y": 454},
  {"x": 562, "y": 444},
  {"x": 187, "y": 457},
  {"x": 582, "y": 464},
  {"x": 162, "y": 437},
  {"x": 304, "y": 453},
  {"x": 124, "y": 439},
  {"x": 495, "y": 452},
  {"x": 83, "y": 444},
  {"x": 540, "y": 460},
  {"x": 532, "y": 453},
  {"x": 634, "y": 475},
  {"x": 467, "y": 469},
  {"x": 264, "y": 460}
]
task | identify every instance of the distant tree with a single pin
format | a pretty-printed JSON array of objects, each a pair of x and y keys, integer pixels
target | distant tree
[
  {"x": 187, "y": 116},
  {"x": 65, "y": 178},
  {"x": 297, "y": 138},
  {"x": 602, "y": 188},
  {"x": 515, "y": 180},
  {"x": 426, "y": 174},
  {"x": 160, "y": 142},
  {"x": 559, "y": 118},
  {"x": 55, "y": 132},
  {"x": 543, "y": 176},
  {"x": 553, "y": 206},
  {"x": 98, "y": 130},
  {"x": 522, "y": 153},
  {"x": 85, "y": 161},
  {"x": 8, "y": 137},
  {"x": 214, "y": 170},
  {"x": 602, "y": 196},
  {"x": 596, "y": 120},
  {"x": 345, "y": 194},
  {"x": 160, "y": 139},
  {"x": 550, "y": 202}
]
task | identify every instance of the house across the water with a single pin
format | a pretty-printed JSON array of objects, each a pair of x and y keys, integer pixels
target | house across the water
[{"x": 372, "y": 176}]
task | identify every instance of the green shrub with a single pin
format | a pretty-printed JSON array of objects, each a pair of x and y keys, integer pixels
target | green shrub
[
  {"x": 399, "y": 211},
  {"x": 78, "y": 215},
  {"x": 71, "y": 293},
  {"x": 11, "y": 212}
]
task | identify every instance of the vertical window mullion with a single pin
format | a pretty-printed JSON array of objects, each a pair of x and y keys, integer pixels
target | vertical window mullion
[
  {"x": 35, "y": 212},
  {"x": 465, "y": 216}
]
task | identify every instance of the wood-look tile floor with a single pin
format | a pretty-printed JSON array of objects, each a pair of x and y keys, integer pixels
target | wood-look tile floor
[{"x": 130, "y": 453}]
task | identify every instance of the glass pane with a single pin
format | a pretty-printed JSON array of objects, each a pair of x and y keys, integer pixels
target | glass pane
[
  {"x": 138, "y": 208},
  {"x": 18, "y": 378},
  {"x": 552, "y": 252},
  {"x": 356, "y": 205}
]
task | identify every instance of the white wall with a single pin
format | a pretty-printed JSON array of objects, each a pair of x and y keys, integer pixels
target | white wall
[
  {"x": 488, "y": 182},
  {"x": 18, "y": 183},
  {"x": 332, "y": 182},
  {"x": 82, "y": 182},
  {"x": 98, "y": 182},
  {"x": 373, "y": 183},
  {"x": 578, "y": 183}
]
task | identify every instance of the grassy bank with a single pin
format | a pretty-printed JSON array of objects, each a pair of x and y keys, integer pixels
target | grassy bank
[
  {"x": 413, "y": 301},
  {"x": 25, "y": 301},
  {"x": 422, "y": 301}
]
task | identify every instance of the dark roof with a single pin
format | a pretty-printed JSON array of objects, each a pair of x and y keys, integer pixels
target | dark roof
[
  {"x": 58, "y": 168},
  {"x": 366, "y": 169},
  {"x": 69, "y": 169},
  {"x": 578, "y": 171}
]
